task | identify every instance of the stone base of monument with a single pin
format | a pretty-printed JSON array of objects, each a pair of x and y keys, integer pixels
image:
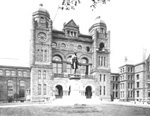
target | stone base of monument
[{"x": 75, "y": 96}]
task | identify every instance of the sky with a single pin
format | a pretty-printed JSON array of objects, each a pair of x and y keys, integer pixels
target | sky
[{"x": 128, "y": 21}]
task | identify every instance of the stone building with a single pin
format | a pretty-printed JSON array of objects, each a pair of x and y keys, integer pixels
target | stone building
[
  {"x": 51, "y": 51},
  {"x": 127, "y": 82},
  {"x": 14, "y": 80},
  {"x": 134, "y": 81},
  {"x": 50, "y": 73},
  {"x": 115, "y": 86}
]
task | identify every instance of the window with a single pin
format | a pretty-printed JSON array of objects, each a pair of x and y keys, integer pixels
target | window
[
  {"x": 128, "y": 85},
  {"x": 148, "y": 94},
  {"x": 137, "y": 84},
  {"x": 104, "y": 90},
  {"x": 21, "y": 89},
  {"x": 100, "y": 76},
  {"x": 38, "y": 55},
  {"x": 137, "y": 76},
  {"x": 137, "y": 92},
  {"x": 57, "y": 64},
  {"x": 84, "y": 67},
  {"x": 104, "y": 77},
  {"x": 39, "y": 74},
  {"x": 41, "y": 55},
  {"x": 131, "y": 69},
  {"x": 13, "y": 73},
  {"x": 54, "y": 45},
  {"x": 131, "y": 94},
  {"x": 69, "y": 69},
  {"x": 128, "y": 77},
  {"x": 7, "y": 73},
  {"x": 87, "y": 49},
  {"x": 25, "y": 74},
  {"x": 131, "y": 86},
  {"x": 20, "y": 73},
  {"x": 39, "y": 89},
  {"x": 116, "y": 94},
  {"x": 75, "y": 34},
  {"x": 148, "y": 65},
  {"x": 45, "y": 55},
  {"x": 79, "y": 47},
  {"x": 63, "y": 45},
  {"x": 104, "y": 61},
  {"x": 1, "y": 72},
  {"x": 71, "y": 46},
  {"x": 10, "y": 87},
  {"x": 44, "y": 89},
  {"x": 44, "y": 74},
  {"x": 148, "y": 85},
  {"x": 101, "y": 46},
  {"x": 113, "y": 86},
  {"x": 117, "y": 78},
  {"x": 148, "y": 77},
  {"x": 116, "y": 86},
  {"x": 131, "y": 77},
  {"x": 100, "y": 92}
]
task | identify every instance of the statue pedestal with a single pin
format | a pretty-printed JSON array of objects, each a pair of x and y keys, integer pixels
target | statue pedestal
[{"x": 75, "y": 89}]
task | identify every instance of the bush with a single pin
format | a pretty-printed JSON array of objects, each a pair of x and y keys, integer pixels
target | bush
[
  {"x": 10, "y": 98},
  {"x": 22, "y": 99}
]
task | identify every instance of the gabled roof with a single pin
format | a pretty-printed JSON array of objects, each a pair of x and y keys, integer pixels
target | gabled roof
[{"x": 71, "y": 23}]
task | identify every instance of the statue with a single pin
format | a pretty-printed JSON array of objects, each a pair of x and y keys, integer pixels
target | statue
[{"x": 74, "y": 62}]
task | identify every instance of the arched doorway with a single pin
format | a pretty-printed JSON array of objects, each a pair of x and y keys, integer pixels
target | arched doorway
[
  {"x": 88, "y": 92},
  {"x": 58, "y": 91}
]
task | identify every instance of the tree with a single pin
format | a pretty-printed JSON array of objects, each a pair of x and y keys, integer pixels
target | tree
[{"x": 71, "y": 4}]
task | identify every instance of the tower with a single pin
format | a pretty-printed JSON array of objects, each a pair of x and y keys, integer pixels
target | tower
[
  {"x": 41, "y": 54},
  {"x": 101, "y": 57}
]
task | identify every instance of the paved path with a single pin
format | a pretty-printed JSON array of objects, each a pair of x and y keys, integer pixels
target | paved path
[{"x": 63, "y": 102}]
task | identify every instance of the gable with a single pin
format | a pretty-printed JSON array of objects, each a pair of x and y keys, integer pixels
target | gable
[{"x": 71, "y": 23}]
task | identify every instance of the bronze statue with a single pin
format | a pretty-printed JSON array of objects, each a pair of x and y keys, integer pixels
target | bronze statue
[{"x": 74, "y": 62}]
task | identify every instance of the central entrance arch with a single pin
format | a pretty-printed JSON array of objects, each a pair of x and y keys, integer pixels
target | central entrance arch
[
  {"x": 58, "y": 91},
  {"x": 88, "y": 92}
]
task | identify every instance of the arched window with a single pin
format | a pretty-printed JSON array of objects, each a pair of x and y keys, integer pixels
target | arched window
[
  {"x": 44, "y": 89},
  {"x": 10, "y": 88},
  {"x": 63, "y": 45},
  {"x": 101, "y": 46},
  {"x": 41, "y": 56},
  {"x": 21, "y": 89},
  {"x": 39, "y": 74},
  {"x": 44, "y": 74},
  {"x": 57, "y": 64},
  {"x": 71, "y": 46},
  {"x": 20, "y": 73},
  {"x": 88, "y": 49},
  {"x": 84, "y": 66},
  {"x": 79, "y": 47},
  {"x": 39, "y": 89},
  {"x": 45, "y": 55},
  {"x": 69, "y": 69},
  {"x": 38, "y": 55},
  {"x": 54, "y": 45}
]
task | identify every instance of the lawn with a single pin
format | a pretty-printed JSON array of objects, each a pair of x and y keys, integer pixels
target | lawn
[{"x": 75, "y": 110}]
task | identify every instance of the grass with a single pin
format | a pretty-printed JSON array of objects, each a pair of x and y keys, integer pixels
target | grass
[{"x": 76, "y": 110}]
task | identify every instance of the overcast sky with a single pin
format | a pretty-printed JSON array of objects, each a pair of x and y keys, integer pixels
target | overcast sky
[{"x": 128, "y": 21}]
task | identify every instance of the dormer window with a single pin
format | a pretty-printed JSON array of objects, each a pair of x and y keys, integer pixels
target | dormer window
[
  {"x": 75, "y": 34},
  {"x": 68, "y": 32},
  {"x": 71, "y": 29},
  {"x": 72, "y": 33}
]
